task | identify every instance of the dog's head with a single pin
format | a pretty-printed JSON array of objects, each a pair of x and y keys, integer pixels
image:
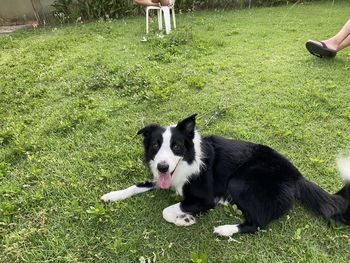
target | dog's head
[{"x": 171, "y": 149}]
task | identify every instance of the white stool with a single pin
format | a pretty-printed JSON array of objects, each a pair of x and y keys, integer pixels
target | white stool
[{"x": 162, "y": 10}]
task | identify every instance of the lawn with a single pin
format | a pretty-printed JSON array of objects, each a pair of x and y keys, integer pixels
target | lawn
[{"x": 72, "y": 99}]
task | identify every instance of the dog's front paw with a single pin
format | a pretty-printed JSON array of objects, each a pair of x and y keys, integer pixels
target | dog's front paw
[
  {"x": 185, "y": 220},
  {"x": 113, "y": 196}
]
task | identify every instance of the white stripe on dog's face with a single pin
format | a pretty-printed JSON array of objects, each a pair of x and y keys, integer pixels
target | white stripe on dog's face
[{"x": 165, "y": 154}]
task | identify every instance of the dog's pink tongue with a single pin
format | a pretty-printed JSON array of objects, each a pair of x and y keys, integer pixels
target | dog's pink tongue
[{"x": 164, "y": 180}]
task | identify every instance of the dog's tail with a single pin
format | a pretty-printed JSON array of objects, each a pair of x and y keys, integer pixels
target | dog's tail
[
  {"x": 320, "y": 202},
  {"x": 344, "y": 169}
]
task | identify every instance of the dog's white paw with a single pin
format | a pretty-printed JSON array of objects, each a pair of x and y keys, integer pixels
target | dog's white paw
[
  {"x": 185, "y": 220},
  {"x": 226, "y": 230},
  {"x": 174, "y": 214},
  {"x": 114, "y": 196}
]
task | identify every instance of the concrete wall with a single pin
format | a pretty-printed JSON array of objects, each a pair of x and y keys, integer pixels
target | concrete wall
[{"x": 14, "y": 12}]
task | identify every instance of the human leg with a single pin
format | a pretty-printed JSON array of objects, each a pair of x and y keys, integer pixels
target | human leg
[
  {"x": 147, "y": 2},
  {"x": 166, "y": 2},
  {"x": 335, "y": 42},
  {"x": 345, "y": 43}
]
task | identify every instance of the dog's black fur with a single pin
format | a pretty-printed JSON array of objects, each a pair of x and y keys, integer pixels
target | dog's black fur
[{"x": 263, "y": 183}]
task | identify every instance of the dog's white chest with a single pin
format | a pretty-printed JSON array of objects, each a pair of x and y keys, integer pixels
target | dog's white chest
[
  {"x": 177, "y": 185},
  {"x": 182, "y": 175},
  {"x": 179, "y": 191}
]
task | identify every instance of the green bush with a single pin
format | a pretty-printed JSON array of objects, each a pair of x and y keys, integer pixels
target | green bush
[
  {"x": 83, "y": 10},
  {"x": 77, "y": 10}
]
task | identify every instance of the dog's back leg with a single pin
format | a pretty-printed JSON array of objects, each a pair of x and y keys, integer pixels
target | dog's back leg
[
  {"x": 262, "y": 194},
  {"x": 128, "y": 192},
  {"x": 229, "y": 230}
]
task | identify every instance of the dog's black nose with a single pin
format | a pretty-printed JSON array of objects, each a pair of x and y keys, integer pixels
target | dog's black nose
[{"x": 163, "y": 167}]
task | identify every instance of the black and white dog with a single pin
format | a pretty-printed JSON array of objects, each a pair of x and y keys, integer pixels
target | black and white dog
[{"x": 210, "y": 170}]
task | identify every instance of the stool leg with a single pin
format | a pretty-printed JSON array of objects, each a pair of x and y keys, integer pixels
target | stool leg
[
  {"x": 174, "y": 20},
  {"x": 160, "y": 19},
  {"x": 147, "y": 20},
  {"x": 166, "y": 13}
]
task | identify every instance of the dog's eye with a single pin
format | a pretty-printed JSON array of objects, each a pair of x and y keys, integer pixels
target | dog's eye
[
  {"x": 176, "y": 147},
  {"x": 155, "y": 146}
]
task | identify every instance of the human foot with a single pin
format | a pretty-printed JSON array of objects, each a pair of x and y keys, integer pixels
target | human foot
[
  {"x": 321, "y": 49},
  {"x": 331, "y": 44}
]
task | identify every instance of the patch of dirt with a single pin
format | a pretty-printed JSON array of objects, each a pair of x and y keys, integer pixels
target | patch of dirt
[{"x": 6, "y": 30}]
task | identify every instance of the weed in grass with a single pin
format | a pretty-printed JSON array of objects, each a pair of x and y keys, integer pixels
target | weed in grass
[
  {"x": 79, "y": 112},
  {"x": 133, "y": 83},
  {"x": 195, "y": 82},
  {"x": 7, "y": 210},
  {"x": 199, "y": 257},
  {"x": 6, "y": 137},
  {"x": 179, "y": 45},
  {"x": 101, "y": 79},
  {"x": 4, "y": 169},
  {"x": 19, "y": 151},
  {"x": 136, "y": 83}
]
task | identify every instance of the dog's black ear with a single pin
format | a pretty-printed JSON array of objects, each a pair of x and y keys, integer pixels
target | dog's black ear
[
  {"x": 146, "y": 131},
  {"x": 187, "y": 125}
]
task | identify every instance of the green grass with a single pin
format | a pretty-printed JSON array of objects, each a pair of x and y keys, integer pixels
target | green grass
[{"x": 73, "y": 98}]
